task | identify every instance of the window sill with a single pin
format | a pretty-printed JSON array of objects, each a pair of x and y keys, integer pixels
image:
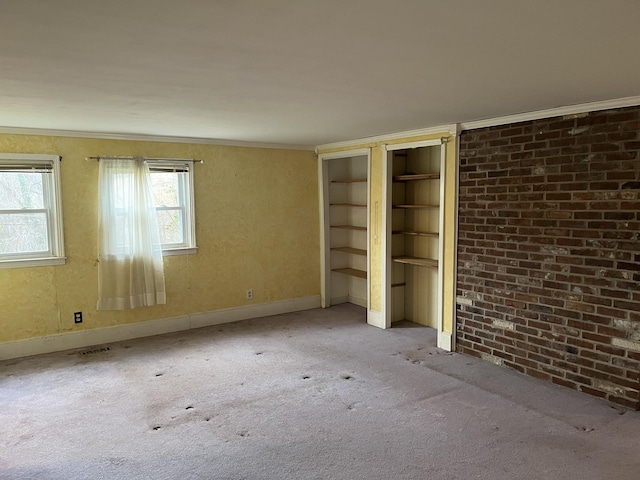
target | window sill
[
  {"x": 32, "y": 262},
  {"x": 179, "y": 251}
]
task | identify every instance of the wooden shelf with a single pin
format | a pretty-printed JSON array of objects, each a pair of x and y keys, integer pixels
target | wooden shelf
[
  {"x": 350, "y": 180},
  {"x": 415, "y": 206},
  {"x": 347, "y": 205},
  {"x": 352, "y": 272},
  {"x": 351, "y": 250},
  {"x": 421, "y": 262},
  {"x": 345, "y": 227},
  {"x": 349, "y": 227},
  {"x": 416, "y": 176},
  {"x": 416, "y": 193},
  {"x": 418, "y": 234}
]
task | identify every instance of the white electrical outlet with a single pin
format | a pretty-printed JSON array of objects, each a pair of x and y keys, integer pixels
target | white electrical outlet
[{"x": 249, "y": 294}]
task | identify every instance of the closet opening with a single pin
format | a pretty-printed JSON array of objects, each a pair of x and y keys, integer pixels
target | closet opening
[
  {"x": 344, "y": 208},
  {"x": 414, "y": 241}
]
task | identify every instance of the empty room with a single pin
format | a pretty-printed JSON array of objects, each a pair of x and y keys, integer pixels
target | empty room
[{"x": 276, "y": 239}]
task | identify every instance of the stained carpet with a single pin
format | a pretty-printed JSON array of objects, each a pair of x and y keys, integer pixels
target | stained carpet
[{"x": 310, "y": 395}]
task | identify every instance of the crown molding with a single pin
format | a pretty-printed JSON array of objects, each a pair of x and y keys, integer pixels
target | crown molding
[
  {"x": 148, "y": 138},
  {"x": 552, "y": 112},
  {"x": 342, "y": 154},
  {"x": 450, "y": 129}
]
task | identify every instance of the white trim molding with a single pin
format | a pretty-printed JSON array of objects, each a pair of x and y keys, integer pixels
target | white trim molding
[
  {"x": 149, "y": 138},
  {"x": 410, "y": 145},
  {"x": 117, "y": 333},
  {"x": 384, "y": 319},
  {"x": 345, "y": 154},
  {"x": 455, "y": 206},
  {"x": 552, "y": 112},
  {"x": 361, "y": 302},
  {"x": 445, "y": 341},
  {"x": 33, "y": 262},
  {"x": 323, "y": 206},
  {"x": 456, "y": 129},
  {"x": 377, "y": 319},
  {"x": 51, "y": 209},
  {"x": 451, "y": 129}
]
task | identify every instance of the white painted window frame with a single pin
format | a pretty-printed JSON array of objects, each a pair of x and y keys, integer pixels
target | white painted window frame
[
  {"x": 187, "y": 198},
  {"x": 53, "y": 201}
]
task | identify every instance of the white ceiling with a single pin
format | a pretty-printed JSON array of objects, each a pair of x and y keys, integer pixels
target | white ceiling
[{"x": 306, "y": 72}]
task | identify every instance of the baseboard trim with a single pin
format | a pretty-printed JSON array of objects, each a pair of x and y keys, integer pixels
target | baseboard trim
[
  {"x": 235, "y": 314},
  {"x": 376, "y": 319},
  {"x": 117, "y": 333},
  {"x": 339, "y": 300},
  {"x": 361, "y": 302},
  {"x": 445, "y": 341}
]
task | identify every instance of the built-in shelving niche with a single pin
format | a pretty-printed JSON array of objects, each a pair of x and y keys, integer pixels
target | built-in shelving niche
[
  {"x": 345, "y": 211},
  {"x": 414, "y": 241}
]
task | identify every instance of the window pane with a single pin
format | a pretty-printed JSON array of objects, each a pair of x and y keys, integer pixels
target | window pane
[
  {"x": 19, "y": 190},
  {"x": 23, "y": 233},
  {"x": 122, "y": 190},
  {"x": 30, "y": 225},
  {"x": 165, "y": 189},
  {"x": 170, "y": 226},
  {"x": 121, "y": 237},
  {"x": 171, "y": 184}
]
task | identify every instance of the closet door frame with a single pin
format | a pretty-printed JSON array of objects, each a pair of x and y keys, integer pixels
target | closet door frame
[{"x": 325, "y": 226}]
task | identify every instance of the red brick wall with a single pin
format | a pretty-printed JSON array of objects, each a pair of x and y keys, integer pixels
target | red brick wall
[{"x": 549, "y": 250}]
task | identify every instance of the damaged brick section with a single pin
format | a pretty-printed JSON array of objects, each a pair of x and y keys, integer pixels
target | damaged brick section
[{"x": 549, "y": 250}]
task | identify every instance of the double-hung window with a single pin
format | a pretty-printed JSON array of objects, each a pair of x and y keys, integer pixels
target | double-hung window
[
  {"x": 172, "y": 184},
  {"x": 30, "y": 210}
]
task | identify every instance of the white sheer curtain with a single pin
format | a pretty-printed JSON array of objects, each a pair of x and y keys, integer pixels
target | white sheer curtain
[{"x": 130, "y": 269}]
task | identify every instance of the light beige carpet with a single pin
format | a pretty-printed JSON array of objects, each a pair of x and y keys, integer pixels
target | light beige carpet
[{"x": 311, "y": 395}]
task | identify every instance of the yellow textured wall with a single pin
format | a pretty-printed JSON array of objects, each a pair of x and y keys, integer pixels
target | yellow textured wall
[
  {"x": 256, "y": 227},
  {"x": 377, "y": 228}
]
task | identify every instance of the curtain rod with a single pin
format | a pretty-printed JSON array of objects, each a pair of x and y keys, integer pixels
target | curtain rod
[{"x": 98, "y": 157}]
